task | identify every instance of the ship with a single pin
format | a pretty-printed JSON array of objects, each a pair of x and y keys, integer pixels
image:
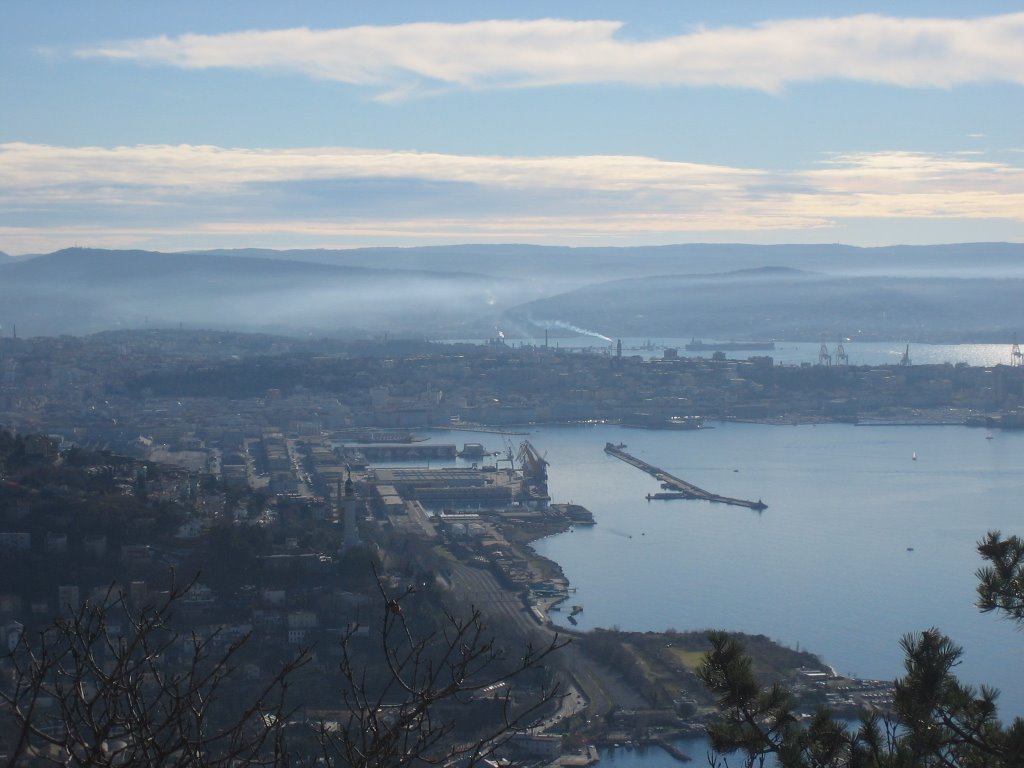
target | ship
[{"x": 696, "y": 345}]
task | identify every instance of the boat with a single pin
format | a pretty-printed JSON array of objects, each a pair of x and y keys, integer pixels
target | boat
[
  {"x": 696, "y": 345},
  {"x": 913, "y": 456},
  {"x": 472, "y": 451}
]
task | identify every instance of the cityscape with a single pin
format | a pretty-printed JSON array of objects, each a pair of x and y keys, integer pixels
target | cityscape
[{"x": 511, "y": 385}]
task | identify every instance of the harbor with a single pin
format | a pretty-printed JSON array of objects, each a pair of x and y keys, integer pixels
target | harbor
[{"x": 675, "y": 487}]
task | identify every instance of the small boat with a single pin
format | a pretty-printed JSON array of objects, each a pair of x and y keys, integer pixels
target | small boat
[
  {"x": 988, "y": 436},
  {"x": 910, "y": 549},
  {"x": 913, "y": 456}
]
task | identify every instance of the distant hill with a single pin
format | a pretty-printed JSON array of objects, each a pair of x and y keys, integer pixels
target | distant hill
[
  {"x": 573, "y": 267},
  {"x": 781, "y": 303},
  {"x": 84, "y": 290},
  {"x": 917, "y": 293}
]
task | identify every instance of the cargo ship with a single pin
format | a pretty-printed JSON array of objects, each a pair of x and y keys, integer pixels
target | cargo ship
[{"x": 696, "y": 345}]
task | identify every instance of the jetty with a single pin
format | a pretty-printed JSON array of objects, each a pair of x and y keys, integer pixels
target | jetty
[{"x": 676, "y": 487}]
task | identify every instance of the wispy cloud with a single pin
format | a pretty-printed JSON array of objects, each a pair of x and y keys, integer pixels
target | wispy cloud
[
  {"x": 28, "y": 166},
  {"x": 414, "y": 59},
  {"x": 150, "y": 195}
]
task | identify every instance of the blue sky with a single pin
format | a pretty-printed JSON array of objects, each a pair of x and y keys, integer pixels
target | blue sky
[{"x": 325, "y": 124}]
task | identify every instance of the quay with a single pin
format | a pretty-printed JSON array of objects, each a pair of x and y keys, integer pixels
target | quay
[
  {"x": 482, "y": 428},
  {"x": 618, "y": 741},
  {"x": 679, "y": 489}
]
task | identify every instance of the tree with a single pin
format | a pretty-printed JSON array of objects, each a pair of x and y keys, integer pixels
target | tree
[
  {"x": 91, "y": 690},
  {"x": 1001, "y": 583},
  {"x": 110, "y": 685},
  {"x": 936, "y": 719},
  {"x": 407, "y": 715}
]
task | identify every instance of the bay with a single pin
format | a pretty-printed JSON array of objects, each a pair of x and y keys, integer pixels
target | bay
[
  {"x": 826, "y": 567},
  {"x": 860, "y": 543}
]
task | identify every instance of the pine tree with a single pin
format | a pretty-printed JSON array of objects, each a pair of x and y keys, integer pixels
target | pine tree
[{"x": 936, "y": 719}]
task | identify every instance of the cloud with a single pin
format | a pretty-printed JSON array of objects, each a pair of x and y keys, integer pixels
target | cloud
[
  {"x": 187, "y": 166},
  {"x": 152, "y": 195},
  {"x": 415, "y": 59}
]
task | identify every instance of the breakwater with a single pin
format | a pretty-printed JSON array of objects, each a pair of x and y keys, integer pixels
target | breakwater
[{"x": 678, "y": 488}]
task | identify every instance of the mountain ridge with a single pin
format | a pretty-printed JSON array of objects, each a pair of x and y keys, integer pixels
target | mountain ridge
[{"x": 956, "y": 291}]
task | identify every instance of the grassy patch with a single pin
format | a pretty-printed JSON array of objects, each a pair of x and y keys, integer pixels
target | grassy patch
[{"x": 687, "y": 659}]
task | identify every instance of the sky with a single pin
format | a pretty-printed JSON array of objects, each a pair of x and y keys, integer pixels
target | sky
[{"x": 187, "y": 125}]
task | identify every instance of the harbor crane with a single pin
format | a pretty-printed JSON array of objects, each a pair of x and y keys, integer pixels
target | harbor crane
[
  {"x": 534, "y": 465},
  {"x": 841, "y": 357},
  {"x": 824, "y": 358},
  {"x": 509, "y": 456}
]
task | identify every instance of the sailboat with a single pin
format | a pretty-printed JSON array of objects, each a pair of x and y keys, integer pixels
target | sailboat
[{"x": 913, "y": 456}]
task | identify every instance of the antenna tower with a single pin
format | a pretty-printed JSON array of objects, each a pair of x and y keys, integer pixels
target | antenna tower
[{"x": 905, "y": 360}]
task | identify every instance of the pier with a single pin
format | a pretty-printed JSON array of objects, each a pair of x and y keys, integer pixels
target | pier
[{"x": 677, "y": 488}]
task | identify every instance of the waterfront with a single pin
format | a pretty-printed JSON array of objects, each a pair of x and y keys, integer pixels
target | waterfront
[
  {"x": 795, "y": 352},
  {"x": 825, "y": 567}
]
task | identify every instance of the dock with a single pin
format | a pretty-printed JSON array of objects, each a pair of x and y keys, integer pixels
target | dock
[{"x": 676, "y": 487}]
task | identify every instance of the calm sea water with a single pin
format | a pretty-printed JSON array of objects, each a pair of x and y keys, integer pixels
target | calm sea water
[{"x": 826, "y": 567}]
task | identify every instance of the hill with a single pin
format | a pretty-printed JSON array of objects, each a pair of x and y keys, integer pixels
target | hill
[
  {"x": 917, "y": 293},
  {"x": 84, "y": 290},
  {"x": 782, "y": 303},
  {"x": 572, "y": 267}
]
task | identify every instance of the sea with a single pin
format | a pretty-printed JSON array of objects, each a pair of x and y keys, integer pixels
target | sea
[{"x": 870, "y": 533}]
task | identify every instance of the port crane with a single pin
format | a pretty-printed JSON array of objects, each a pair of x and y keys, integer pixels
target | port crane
[
  {"x": 824, "y": 358},
  {"x": 841, "y": 357},
  {"x": 508, "y": 455},
  {"x": 535, "y": 466}
]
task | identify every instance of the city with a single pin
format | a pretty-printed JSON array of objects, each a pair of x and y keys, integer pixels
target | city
[{"x": 261, "y": 471}]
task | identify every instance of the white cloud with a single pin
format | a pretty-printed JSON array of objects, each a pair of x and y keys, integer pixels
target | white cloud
[
  {"x": 408, "y": 59},
  {"x": 151, "y": 195},
  {"x": 37, "y": 166}
]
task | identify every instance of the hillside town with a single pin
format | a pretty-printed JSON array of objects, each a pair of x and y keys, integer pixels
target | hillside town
[
  {"x": 273, "y": 488},
  {"x": 217, "y": 394}
]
